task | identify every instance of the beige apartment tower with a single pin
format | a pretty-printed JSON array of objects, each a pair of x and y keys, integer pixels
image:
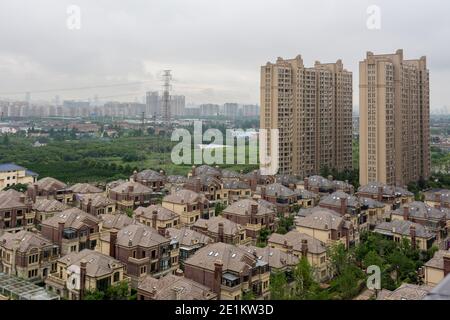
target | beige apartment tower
[
  {"x": 312, "y": 109},
  {"x": 394, "y": 119}
]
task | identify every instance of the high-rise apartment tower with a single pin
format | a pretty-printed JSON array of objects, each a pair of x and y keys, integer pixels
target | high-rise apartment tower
[
  {"x": 394, "y": 119},
  {"x": 312, "y": 109}
]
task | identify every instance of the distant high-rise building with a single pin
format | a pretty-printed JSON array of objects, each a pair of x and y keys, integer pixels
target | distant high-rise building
[
  {"x": 209, "y": 110},
  {"x": 177, "y": 105},
  {"x": 152, "y": 101},
  {"x": 394, "y": 119},
  {"x": 250, "y": 110},
  {"x": 312, "y": 109},
  {"x": 230, "y": 110}
]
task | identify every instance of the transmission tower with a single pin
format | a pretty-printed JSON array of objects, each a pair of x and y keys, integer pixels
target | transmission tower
[{"x": 166, "y": 97}]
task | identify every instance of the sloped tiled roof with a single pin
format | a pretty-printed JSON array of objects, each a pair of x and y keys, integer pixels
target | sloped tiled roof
[
  {"x": 276, "y": 190},
  {"x": 212, "y": 225},
  {"x": 149, "y": 175},
  {"x": 233, "y": 258},
  {"x": 72, "y": 218},
  {"x": 97, "y": 200},
  {"x": 138, "y": 188},
  {"x": 334, "y": 199},
  {"x": 188, "y": 237},
  {"x": 49, "y": 205},
  {"x": 139, "y": 235},
  {"x": 171, "y": 286},
  {"x": 184, "y": 196},
  {"x": 402, "y": 228},
  {"x": 97, "y": 264},
  {"x": 294, "y": 238},
  {"x": 438, "y": 259},
  {"x": 84, "y": 188},
  {"x": 243, "y": 207},
  {"x": 50, "y": 184},
  {"x": 163, "y": 213},
  {"x": 319, "y": 218},
  {"x": 407, "y": 291},
  {"x": 276, "y": 258},
  {"x": 26, "y": 241},
  {"x": 421, "y": 210},
  {"x": 11, "y": 199},
  {"x": 116, "y": 221}
]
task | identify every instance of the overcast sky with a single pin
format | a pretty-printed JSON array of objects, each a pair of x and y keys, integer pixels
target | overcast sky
[{"x": 214, "y": 47}]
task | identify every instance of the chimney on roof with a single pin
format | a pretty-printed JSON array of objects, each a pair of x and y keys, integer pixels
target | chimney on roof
[
  {"x": 291, "y": 186},
  {"x": 253, "y": 212},
  {"x": 22, "y": 198},
  {"x": 343, "y": 206},
  {"x": 112, "y": 243},
  {"x": 154, "y": 219},
  {"x": 304, "y": 248},
  {"x": 166, "y": 234},
  {"x": 380, "y": 193},
  {"x": 306, "y": 183},
  {"x": 446, "y": 258},
  {"x": 263, "y": 193},
  {"x": 198, "y": 185},
  {"x": 437, "y": 197},
  {"x": 406, "y": 213},
  {"x": 176, "y": 293},
  {"x": 179, "y": 273},
  {"x": 218, "y": 268},
  {"x": 134, "y": 175},
  {"x": 60, "y": 234},
  {"x": 83, "y": 265},
  {"x": 89, "y": 206},
  {"x": 412, "y": 233},
  {"x": 252, "y": 183},
  {"x": 290, "y": 249},
  {"x": 221, "y": 232},
  {"x": 130, "y": 188}
]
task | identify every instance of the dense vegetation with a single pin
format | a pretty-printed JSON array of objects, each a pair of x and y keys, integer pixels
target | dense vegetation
[
  {"x": 71, "y": 159},
  {"x": 398, "y": 263}
]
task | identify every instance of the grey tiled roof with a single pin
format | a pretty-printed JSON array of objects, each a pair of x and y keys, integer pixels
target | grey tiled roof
[
  {"x": 276, "y": 190},
  {"x": 401, "y": 227},
  {"x": 243, "y": 207},
  {"x": 171, "y": 286},
  {"x": 97, "y": 264},
  {"x": 233, "y": 258},
  {"x": 421, "y": 210},
  {"x": 334, "y": 199}
]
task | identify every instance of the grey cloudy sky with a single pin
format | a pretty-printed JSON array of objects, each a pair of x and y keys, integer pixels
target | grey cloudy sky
[{"x": 214, "y": 47}]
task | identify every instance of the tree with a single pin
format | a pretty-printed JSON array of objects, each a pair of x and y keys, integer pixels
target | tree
[
  {"x": 262, "y": 237},
  {"x": 249, "y": 295},
  {"x": 218, "y": 208},
  {"x": 6, "y": 140},
  {"x": 305, "y": 286},
  {"x": 347, "y": 283},
  {"x": 18, "y": 187},
  {"x": 372, "y": 258},
  {"x": 129, "y": 212},
  {"x": 278, "y": 286},
  {"x": 119, "y": 291}
]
